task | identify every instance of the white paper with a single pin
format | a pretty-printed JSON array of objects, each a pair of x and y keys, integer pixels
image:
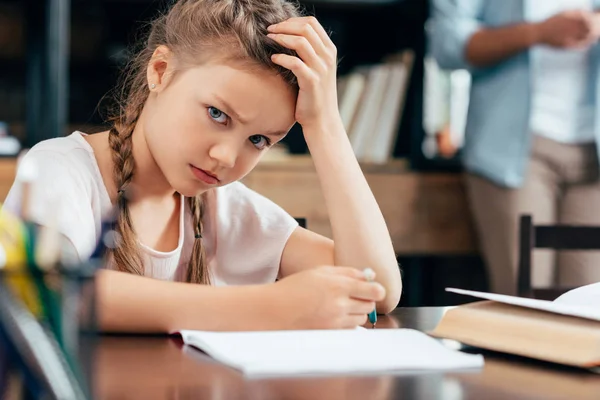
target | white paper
[
  {"x": 588, "y": 296},
  {"x": 582, "y": 311},
  {"x": 279, "y": 353}
]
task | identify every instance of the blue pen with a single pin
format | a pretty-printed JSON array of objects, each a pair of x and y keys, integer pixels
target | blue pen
[{"x": 369, "y": 276}]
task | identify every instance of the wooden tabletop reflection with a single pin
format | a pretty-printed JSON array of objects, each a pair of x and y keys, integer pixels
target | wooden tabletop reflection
[{"x": 132, "y": 367}]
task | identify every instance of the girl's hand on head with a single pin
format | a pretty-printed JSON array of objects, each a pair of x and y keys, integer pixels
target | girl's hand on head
[
  {"x": 315, "y": 69},
  {"x": 325, "y": 298}
]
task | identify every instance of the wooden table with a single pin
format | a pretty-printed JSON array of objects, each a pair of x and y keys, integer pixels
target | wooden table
[{"x": 129, "y": 367}]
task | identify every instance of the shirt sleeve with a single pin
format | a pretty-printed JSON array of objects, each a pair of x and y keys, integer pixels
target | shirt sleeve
[
  {"x": 60, "y": 198},
  {"x": 252, "y": 232},
  {"x": 450, "y": 27}
]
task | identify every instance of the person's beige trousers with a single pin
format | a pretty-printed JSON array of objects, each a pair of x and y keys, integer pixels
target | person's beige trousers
[{"x": 561, "y": 186}]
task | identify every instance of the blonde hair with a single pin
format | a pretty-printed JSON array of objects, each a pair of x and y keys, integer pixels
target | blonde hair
[{"x": 194, "y": 31}]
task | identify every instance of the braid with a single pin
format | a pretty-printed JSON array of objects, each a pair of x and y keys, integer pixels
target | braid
[
  {"x": 197, "y": 269},
  {"x": 125, "y": 255}
]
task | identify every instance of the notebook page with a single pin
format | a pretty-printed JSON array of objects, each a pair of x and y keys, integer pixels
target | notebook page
[
  {"x": 277, "y": 353},
  {"x": 581, "y": 311}
]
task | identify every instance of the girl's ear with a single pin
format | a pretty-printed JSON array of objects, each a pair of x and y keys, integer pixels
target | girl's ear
[{"x": 160, "y": 68}]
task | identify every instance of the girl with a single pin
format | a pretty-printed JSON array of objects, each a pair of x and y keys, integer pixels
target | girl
[{"x": 215, "y": 85}]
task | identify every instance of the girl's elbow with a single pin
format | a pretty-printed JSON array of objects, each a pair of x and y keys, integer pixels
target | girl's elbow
[
  {"x": 391, "y": 300},
  {"x": 387, "y": 306}
]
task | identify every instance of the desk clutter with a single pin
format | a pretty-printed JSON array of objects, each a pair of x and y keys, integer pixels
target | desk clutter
[{"x": 47, "y": 301}]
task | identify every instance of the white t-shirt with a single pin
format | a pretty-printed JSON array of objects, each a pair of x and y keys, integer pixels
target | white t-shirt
[
  {"x": 244, "y": 233},
  {"x": 563, "y": 105}
]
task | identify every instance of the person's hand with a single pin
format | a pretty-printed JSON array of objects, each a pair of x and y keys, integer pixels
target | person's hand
[
  {"x": 315, "y": 69},
  {"x": 569, "y": 29},
  {"x": 325, "y": 298}
]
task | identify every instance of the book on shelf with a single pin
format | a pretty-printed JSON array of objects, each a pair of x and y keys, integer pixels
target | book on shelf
[
  {"x": 557, "y": 331},
  {"x": 371, "y": 102},
  {"x": 445, "y": 107},
  {"x": 390, "y": 115}
]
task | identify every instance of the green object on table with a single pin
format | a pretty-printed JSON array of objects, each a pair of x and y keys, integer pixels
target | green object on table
[{"x": 369, "y": 276}]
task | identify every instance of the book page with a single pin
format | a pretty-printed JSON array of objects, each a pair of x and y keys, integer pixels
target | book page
[
  {"x": 387, "y": 125},
  {"x": 369, "y": 110},
  {"x": 588, "y": 296},
  {"x": 582, "y": 311},
  {"x": 278, "y": 353}
]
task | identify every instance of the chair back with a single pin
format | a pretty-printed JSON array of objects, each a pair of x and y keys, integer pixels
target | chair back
[{"x": 556, "y": 237}]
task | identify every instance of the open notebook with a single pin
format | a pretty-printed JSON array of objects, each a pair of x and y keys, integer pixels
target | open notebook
[{"x": 278, "y": 353}]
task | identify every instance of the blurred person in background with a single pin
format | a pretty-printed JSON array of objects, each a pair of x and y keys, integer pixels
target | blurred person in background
[{"x": 532, "y": 126}]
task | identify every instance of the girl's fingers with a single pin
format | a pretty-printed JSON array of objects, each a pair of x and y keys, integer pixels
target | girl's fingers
[
  {"x": 314, "y": 23},
  {"x": 302, "y": 46},
  {"x": 360, "y": 307},
  {"x": 304, "y": 29},
  {"x": 369, "y": 291},
  {"x": 350, "y": 272},
  {"x": 306, "y": 77}
]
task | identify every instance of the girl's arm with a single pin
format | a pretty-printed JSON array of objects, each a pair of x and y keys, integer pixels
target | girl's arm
[
  {"x": 129, "y": 303},
  {"x": 321, "y": 298},
  {"x": 359, "y": 230},
  {"x": 360, "y": 234}
]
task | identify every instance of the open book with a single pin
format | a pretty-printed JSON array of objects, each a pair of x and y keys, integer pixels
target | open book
[
  {"x": 280, "y": 353},
  {"x": 588, "y": 296},
  {"x": 559, "y": 331}
]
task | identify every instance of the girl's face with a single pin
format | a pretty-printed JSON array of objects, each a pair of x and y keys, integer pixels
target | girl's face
[{"x": 210, "y": 125}]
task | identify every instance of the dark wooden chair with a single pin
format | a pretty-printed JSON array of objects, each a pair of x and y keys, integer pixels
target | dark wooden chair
[{"x": 557, "y": 237}]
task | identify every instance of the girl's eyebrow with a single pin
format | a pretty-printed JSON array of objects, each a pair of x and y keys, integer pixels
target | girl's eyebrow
[
  {"x": 224, "y": 106},
  {"x": 276, "y": 133},
  {"x": 227, "y": 109}
]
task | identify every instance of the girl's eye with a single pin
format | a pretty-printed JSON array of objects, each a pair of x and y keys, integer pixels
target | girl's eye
[
  {"x": 260, "y": 142},
  {"x": 218, "y": 115}
]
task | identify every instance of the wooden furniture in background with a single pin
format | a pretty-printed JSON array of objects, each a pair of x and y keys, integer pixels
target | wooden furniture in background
[
  {"x": 8, "y": 167},
  {"x": 426, "y": 213}
]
